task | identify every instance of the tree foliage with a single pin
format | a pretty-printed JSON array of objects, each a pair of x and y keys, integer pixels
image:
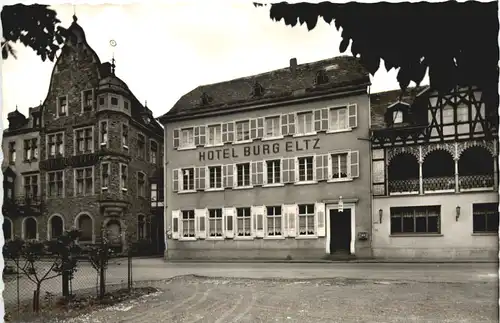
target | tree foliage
[
  {"x": 456, "y": 42},
  {"x": 35, "y": 26}
]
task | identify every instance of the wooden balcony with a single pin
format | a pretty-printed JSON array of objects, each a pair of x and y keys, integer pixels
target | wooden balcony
[
  {"x": 439, "y": 184},
  {"x": 404, "y": 186},
  {"x": 442, "y": 184},
  {"x": 476, "y": 182}
]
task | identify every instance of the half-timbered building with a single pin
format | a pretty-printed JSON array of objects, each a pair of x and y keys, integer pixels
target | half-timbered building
[
  {"x": 271, "y": 166},
  {"x": 434, "y": 175}
]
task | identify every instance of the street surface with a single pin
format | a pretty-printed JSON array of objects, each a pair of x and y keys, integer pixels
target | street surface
[{"x": 321, "y": 292}]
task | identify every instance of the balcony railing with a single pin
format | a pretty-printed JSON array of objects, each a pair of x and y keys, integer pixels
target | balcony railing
[
  {"x": 404, "y": 186},
  {"x": 476, "y": 181},
  {"x": 433, "y": 184}
]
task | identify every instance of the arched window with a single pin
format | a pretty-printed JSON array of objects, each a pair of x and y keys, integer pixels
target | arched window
[
  {"x": 141, "y": 227},
  {"x": 30, "y": 229},
  {"x": 403, "y": 174},
  {"x": 438, "y": 171},
  {"x": 8, "y": 229},
  {"x": 476, "y": 168},
  {"x": 56, "y": 226},
  {"x": 86, "y": 227}
]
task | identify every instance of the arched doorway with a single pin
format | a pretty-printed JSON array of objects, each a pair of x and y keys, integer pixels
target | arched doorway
[
  {"x": 86, "y": 226},
  {"x": 56, "y": 226},
  {"x": 403, "y": 174},
  {"x": 8, "y": 229},
  {"x": 438, "y": 171},
  {"x": 30, "y": 229}
]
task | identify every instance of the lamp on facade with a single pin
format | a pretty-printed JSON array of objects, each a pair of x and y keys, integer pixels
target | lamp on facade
[
  {"x": 457, "y": 213},
  {"x": 341, "y": 204},
  {"x": 380, "y": 214}
]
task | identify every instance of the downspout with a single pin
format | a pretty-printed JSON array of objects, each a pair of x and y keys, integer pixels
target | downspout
[
  {"x": 166, "y": 228},
  {"x": 370, "y": 153}
]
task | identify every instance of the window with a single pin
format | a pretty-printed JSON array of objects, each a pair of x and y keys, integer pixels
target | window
[
  {"x": 273, "y": 128},
  {"x": 7, "y": 229},
  {"x": 304, "y": 123},
  {"x": 8, "y": 187},
  {"x": 462, "y": 113},
  {"x": 55, "y": 145},
  {"x": 153, "y": 156},
  {"x": 125, "y": 136},
  {"x": 63, "y": 106},
  {"x": 188, "y": 179},
  {"x": 155, "y": 193},
  {"x": 30, "y": 229},
  {"x": 397, "y": 117},
  {"x": 30, "y": 149},
  {"x": 141, "y": 227},
  {"x": 88, "y": 100},
  {"x": 338, "y": 118},
  {"x": 123, "y": 177},
  {"x": 214, "y": 135},
  {"x": 12, "y": 152},
  {"x": 101, "y": 101},
  {"x": 104, "y": 133},
  {"x": 141, "y": 184},
  {"x": 306, "y": 169},
  {"x": 306, "y": 219},
  {"x": 187, "y": 138},
  {"x": 125, "y": 105},
  {"x": 141, "y": 145},
  {"x": 114, "y": 101},
  {"x": 273, "y": 171},
  {"x": 242, "y": 130},
  {"x": 485, "y": 218},
  {"x": 86, "y": 227},
  {"x": 243, "y": 174},
  {"x": 215, "y": 222},
  {"x": 447, "y": 115},
  {"x": 274, "y": 221},
  {"x": 188, "y": 224},
  {"x": 416, "y": 219},
  {"x": 84, "y": 140},
  {"x": 339, "y": 166},
  {"x": 55, "y": 182},
  {"x": 84, "y": 181},
  {"x": 243, "y": 222},
  {"x": 215, "y": 176},
  {"x": 31, "y": 186},
  {"x": 105, "y": 171}
]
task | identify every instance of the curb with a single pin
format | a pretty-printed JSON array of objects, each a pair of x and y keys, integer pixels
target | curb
[{"x": 358, "y": 261}]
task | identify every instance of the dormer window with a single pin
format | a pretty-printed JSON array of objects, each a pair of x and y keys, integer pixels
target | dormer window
[
  {"x": 321, "y": 77},
  {"x": 62, "y": 106},
  {"x": 397, "y": 117},
  {"x": 87, "y": 100},
  {"x": 258, "y": 90},
  {"x": 206, "y": 99}
]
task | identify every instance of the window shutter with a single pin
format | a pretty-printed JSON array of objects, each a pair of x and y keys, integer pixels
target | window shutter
[
  {"x": 291, "y": 216},
  {"x": 235, "y": 175},
  {"x": 330, "y": 173},
  {"x": 260, "y": 172},
  {"x": 294, "y": 169},
  {"x": 224, "y": 133},
  {"x": 353, "y": 115},
  {"x": 175, "y": 178},
  {"x": 317, "y": 120},
  {"x": 285, "y": 175},
  {"x": 196, "y": 136},
  {"x": 324, "y": 119},
  {"x": 284, "y": 220},
  {"x": 175, "y": 224},
  {"x": 320, "y": 219},
  {"x": 203, "y": 137},
  {"x": 200, "y": 227},
  {"x": 230, "y": 132},
  {"x": 228, "y": 175},
  {"x": 257, "y": 173},
  {"x": 260, "y": 128},
  {"x": 320, "y": 176},
  {"x": 258, "y": 220},
  {"x": 253, "y": 173},
  {"x": 291, "y": 124},
  {"x": 200, "y": 178},
  {"x": 264, "y": 172},
  {"x": 228, "y": 216},
  {"x": 176, "y": 138},
  {"x": 354, "y": 162},
  {"x": 253, "y": 129},
  {"x": 284, "y": 124}
]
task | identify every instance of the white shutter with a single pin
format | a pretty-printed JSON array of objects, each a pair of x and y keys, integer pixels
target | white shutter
[
  {"x": 318, "y": 165},
  {"x": 291, "y": 123},
  {"x": 285, "y": 176},
  {"x": 228, "y": 175},
  {"x": 175, "y": 179},
  {"x": 291, "y": 169},
  {"x": 230, "y": 132},
  {"x": 321, "y": 119},
  {"x": 224, "y": 133},
  {"x": 296, "y": 169},
  {"x": 228, "y": 217},
  {"x": 259, "y": 172},
  {"x": 260, "y": 128},
  {"x": 258, "y": 216},
  {"x": 353, "y": 115},
  {"x": 253, "y": 129},
  {"x": 330, "y": 173},
  {"x": 325, "y": 120},
  {"x": 176, "y": 224},
  {"x": 264, "y": 172},
  {"x": 291, "y": 218},
  {"x": 284, "y": 220},
  {"x": 200, "y": 178},
  {"x": 354, "y": 163},
  {"x": 319, "y": 209},
  {"x": 284, "y": 124},
  {"x": 196, "y": 132},
  {"x": 200, "y": 226},
  {"x": 235, "y": 175},
  {"x": 253, "y": 173},
  {"x": 176, "y": 138}
]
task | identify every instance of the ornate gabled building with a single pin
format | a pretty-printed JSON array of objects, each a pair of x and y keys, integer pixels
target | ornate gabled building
[
  {"x": 435, "y": 174},
  {"x": 271, "y": 166},
  {"x": 100, "y": 153}
]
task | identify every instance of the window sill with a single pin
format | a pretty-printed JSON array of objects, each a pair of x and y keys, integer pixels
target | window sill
[
  {"x": 274, "y": 185},
  {"x": 243, "y": 238},
  {"x": 486, "y": 234},
  {"x": 311, "y": 237},
  {"x": 124, "y": 189},
  {"x": 187, "y": 239},
  {"x": 478, "y": 189},
  {"x": 274, "y": 238},
  {"x": 242, "y": 142},
  {"x": 403, "y": 193},
  {"x": 105, "y": 188},
  {"x": 272, "y": 138},
  {"x": 339, "y": 131},
  {"x": 306, "y": 183},
  {"x": 305, "y": 134},
  {"x": 340, "y": 180},
  {"x": 125, "y": 147},
  {"x": 214, "y": 189},
  {"x": 186, "y": 148},
  {"x": 187, "y": 192},
  {"x": 242, "y": 187},
  {"x": 440, "y": 191},
  {"x": 214, "y": 145},
  {"x": 415, "y": 235},
  {"x": 104, "y": 144},
  {"x": 215, "y": 238}
]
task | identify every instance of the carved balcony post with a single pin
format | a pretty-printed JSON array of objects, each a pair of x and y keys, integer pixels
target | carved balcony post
[
  {"x": 457, "y": 182},
  {"x": 420, "y": 162}
]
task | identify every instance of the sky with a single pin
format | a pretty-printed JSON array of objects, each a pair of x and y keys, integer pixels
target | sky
[{"x": 165, "y": 49}]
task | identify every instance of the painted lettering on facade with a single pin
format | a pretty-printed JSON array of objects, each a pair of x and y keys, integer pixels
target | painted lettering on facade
[{"x": 260, "y": 149}]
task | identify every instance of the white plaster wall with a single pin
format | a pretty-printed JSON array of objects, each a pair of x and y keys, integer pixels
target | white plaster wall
[{"x": 456, "y": 240}]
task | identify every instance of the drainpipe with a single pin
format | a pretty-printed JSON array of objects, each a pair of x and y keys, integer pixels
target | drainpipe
[{"x": 166, "y": 229}]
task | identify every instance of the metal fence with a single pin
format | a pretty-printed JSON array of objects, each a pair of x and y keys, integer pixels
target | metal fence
[{"x": 89, "y": 279}]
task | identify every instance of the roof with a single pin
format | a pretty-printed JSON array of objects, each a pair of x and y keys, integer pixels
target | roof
[
  {"x": 379, "y": 102},
  {"x": 277, "y": 85}
]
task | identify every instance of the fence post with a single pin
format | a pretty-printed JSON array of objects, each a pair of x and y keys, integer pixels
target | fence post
[{"x": 102, "y": 268}]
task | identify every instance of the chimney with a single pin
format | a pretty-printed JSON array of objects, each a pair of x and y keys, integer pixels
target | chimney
[{"x": 293, "y": 66}]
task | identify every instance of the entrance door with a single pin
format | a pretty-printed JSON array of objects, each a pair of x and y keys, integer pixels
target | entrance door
[{"x": 340, "y": 231}]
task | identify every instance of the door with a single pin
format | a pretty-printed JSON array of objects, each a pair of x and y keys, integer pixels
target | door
[{"x": 340, "y": 231}]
